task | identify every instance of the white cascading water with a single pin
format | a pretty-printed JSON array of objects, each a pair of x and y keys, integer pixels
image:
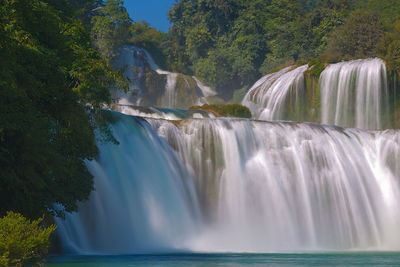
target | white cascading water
[
  {"x": 268, "y": 97},
  {"x": 144, "y": 199},
  {"x": 169, "y": 98},
  {"x": 240, "y": 186},
  {"x": 161, "y": 113},
  {"x": 273, "y": 187},
  {"x": 133, "y": 68},
  {"x": 355, "y": 94},
  {"x": 170, "y": 95},
  {"x": 130, "y": 60},
  {"x": 205, "y": 90}
]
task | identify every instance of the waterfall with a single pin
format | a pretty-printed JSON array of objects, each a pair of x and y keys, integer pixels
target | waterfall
[
  {"x": 239, "y": 185},
  {"x": 161, "y": 113},
  {"x": 130, "y": 61},
  {"x": 271, "y": 96},
  {"x": 205, "y": 90},
  {"x": 268, "y": 187},
  {"x": 136, "y": 62},
  {"x": 144, "y": 199},
  {"x": 355, "y": 94},
  {"x": 169, "y": 97}
]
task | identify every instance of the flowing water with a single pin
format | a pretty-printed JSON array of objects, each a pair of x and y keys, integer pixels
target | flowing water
[
  {"x": 233, "y": 185},
  {"x": 130, "y": 61},
  {"x": 235, "y": 260},
  {"x": 185, "y": 189},
  {"x": 352, "y": 94},
  {"x": 161, "y": 113},
  {"x": 355, "y": 94},
  {"x": 143, "y": 200},
  {"x": 134, "y": 62},
  {"x": 270, "y": 96}
]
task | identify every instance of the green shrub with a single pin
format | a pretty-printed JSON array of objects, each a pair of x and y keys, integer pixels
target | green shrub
[
  {"x": 22, "y": 240},
  {"x": 317, "y": 66},
  {"x": 230, "y": 110}
]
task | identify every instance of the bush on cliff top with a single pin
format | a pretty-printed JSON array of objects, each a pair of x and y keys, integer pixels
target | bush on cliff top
[{"x": 230, "y": 110}]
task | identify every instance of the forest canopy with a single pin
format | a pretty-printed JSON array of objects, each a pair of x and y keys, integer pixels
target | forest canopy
[
  {"x": 53, "y": 83},
  {"x": 230, "y": 43}
]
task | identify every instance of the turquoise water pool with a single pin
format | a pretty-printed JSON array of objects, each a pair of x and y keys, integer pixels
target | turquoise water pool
[{"x": 205, "y": 260}]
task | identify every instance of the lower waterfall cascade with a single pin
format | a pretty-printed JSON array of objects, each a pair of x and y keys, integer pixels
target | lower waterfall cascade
[{"x": 238, "y": 185}]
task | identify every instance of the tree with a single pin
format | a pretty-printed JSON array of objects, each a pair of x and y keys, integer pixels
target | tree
[
  {"x": 111, "y": 28},
  {"x": 358, "y": 36},
  {"x": 144, "y": 36},
  {"x": 389, "y": 48},
  {"x": 52, "y": 85}
]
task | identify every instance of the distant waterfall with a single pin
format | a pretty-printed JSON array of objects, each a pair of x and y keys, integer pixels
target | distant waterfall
[
  {"x": 240, "y": 186},
  {"x": 135, "y": 62},
  {"x": 355, "y": 94},
  {"x": 130, "y": 61},
  {"x": 169, "y": 97},
  {"x": 272, "y": 95}
]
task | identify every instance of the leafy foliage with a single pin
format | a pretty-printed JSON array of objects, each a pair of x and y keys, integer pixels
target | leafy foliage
[
  {"x": 358, "y": 36},
  {"x": 111, "y": 27},
  {"x": 144, "y": 36},
  {"x": 229, "y": 44},
  {"x": 22, "y": 240},
  {"x": 389, "y": 48}
]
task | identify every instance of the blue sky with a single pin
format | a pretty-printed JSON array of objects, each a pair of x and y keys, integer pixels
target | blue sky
[{"x": 152, "y": 11}]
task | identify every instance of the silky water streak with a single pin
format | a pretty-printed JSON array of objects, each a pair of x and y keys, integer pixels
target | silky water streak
[
  {"x": 355, "y": 94},
  {"x": 144, "y": 199},
  {"x": 236, "y": 185},
  {"x": 274, "y": 94},
  {"x": 276, "y": 187}
]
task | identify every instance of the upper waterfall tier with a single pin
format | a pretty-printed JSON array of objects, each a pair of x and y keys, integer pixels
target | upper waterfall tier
[
  {"x": 241, "y": 186},
  {"x": 355, "y": 94},
  {"x": 349, "y": 94},
  {"x": 273, "y": 95},
  {"x": 150, "y": 85}
]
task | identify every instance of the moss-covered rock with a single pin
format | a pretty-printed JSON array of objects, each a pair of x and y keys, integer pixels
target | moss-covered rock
[
  {"x": 229, "y": 110},
  {"x": 393, "y": 119},
  {"x": 154, "y": 88},
  {"x": 187, "y": 91},
  {"x": 312, "y": 97},
  {"x": 316, "y": 67}
]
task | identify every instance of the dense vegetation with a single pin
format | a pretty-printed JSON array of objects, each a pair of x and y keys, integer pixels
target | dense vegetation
[
  {"x": 22, "y": 241},
  {"x": 52, "y": 86},
  {"x": 229, "y": 44},
  {"x": 55, "y": 71}
]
